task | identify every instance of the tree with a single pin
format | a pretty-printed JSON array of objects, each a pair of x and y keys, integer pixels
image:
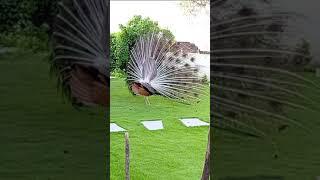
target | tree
[
  {"x": 194, "y": 6},
  {"x": 25, "y": 13},
  {"x": 123, "y": 41}
]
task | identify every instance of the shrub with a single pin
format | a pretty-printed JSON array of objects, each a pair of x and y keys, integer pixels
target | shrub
[
  {"x": 26, "y": 13},
  {"x": 118, "y": 73},
  {"x": 26, "y": 23},
  {"x": 34, "y": 39},
  {"x": 205, "y": 79}
]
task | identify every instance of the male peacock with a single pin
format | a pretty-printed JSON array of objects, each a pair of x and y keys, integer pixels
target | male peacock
[
  {"x": 159, "y": 66},
  {"x": 80, "y": 42},
  {"x": 257, "y": 71},
  {"x": 256, "y": 68},
  {"x": 257, "y": 76}
]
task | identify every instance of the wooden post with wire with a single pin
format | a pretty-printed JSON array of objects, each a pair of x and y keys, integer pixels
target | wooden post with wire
[{"x": 127, "y": 151}]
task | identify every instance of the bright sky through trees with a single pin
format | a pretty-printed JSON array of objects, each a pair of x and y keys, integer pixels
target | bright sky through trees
[{"x": 169, "y": 14}]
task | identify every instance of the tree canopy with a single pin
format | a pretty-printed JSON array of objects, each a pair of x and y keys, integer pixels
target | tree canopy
[{"x": 123, "y": 41}]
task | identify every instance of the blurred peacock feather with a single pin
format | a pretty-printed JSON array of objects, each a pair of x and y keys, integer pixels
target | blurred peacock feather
[
  {"x": 80, "y": 51},
  {"x": 256, "y": 69}
]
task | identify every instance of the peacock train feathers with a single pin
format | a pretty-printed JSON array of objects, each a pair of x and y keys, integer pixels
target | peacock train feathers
[
  {"x": 257, "y": 69},
  {"x": 158, "y": 66},
  {"x": 80, "y": 51}
]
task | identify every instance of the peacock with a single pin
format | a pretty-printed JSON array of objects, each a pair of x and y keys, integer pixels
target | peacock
[
  {"x": 258, "y": 77},
  {"x": 81, "y": 50},
  {"x": 159, "y": 66},
  {"x": 257, "y": 71}
]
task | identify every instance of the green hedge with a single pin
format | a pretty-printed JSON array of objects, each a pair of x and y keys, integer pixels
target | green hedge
[
  {"x": 26, "y": 23},
  {"x": 25, "y": 13}
]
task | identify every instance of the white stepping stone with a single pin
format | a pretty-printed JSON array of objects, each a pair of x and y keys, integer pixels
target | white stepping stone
[
  {"x": 115, "y": 128},
  {"x": 193, "y": 122},
  {"x": 153, "y": 125}
]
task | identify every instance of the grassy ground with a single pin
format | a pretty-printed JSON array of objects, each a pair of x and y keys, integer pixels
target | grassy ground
[
  {"x": 174, "y": 153},
  {"x": 42, "y": 137}
]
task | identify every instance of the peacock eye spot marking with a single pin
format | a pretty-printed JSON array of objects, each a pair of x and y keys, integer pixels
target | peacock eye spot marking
[
  {"x": 178, "y": 60},
  {"x": 192, "y": 59}
]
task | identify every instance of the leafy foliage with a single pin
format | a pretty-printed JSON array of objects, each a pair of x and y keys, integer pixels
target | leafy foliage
[
  {"x": 123, "y": 41},
  {"x": 25, "y": 13},
  {"x": 34, "y": 39},
  {"x": 118, "y": 73},
  {"x": 303, "y": 47},
  {"x": 192, "y": 7},
  {"x": 26, "y": 23}
]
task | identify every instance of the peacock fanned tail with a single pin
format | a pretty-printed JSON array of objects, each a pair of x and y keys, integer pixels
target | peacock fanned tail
[
  {"x": 165, "y": 68},
  {"x": 256, "y": 69},
  {"x": 80, "y": 51}
]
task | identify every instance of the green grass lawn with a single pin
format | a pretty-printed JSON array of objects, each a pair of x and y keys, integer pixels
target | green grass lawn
[
  {"x": 42, "y": 137},
  {"x": 176, "y": 152}
]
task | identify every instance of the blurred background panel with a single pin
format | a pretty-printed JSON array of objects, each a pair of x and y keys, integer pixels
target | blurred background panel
[
  {"x": 44, "y": 135},
  {"x": 263, "y": 51}
]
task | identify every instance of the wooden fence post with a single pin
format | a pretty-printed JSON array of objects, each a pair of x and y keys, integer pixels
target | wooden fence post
[
  {"x": 206, "y": 167},
  {"x": 127, "y": 151}
]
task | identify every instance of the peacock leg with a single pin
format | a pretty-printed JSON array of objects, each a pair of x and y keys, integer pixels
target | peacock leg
[{"x": 148, "y": 100}]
